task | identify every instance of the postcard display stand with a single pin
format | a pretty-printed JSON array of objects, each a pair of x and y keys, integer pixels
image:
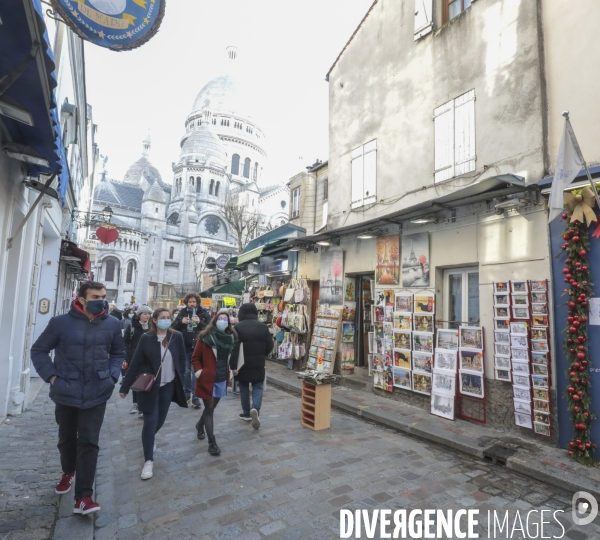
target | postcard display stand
[
  {"x": 325, "y": 340},
  {"x": 522, "y": 350}
]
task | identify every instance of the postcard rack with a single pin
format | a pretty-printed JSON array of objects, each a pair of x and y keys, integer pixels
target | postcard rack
[
  {"x": 325, "y": 340},
  {"x": 316, "y": 406}
]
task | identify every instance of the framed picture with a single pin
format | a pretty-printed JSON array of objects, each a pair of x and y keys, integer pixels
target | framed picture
[
  {"x": 523, "y": 420},
  {"x": 541, "y": 417},
  {"x": 379, "y": 298},
  {"x": 518, "y": 342},
  {"x": 541, "y": 405},
  {"x": 379, "y": 313},
  {"x": 402, "y": 359},
  {"x": 442, "y": 405},
  {"x": 471, "y": 361},
  {"x": 415, "y": 260},
  {"x": 539, "y": 381},
  {"x": 423, "y": 322},
  {"x": 520, "y": 379},
  {"x": 387, "y": 257},
  {"x": 422, "y": 342},
  {"x": 447, "y": 339},
  {"x": 501, "y": 325},
  {"x": 539, "y": 297},
  {"x": 539, "y": 309},
  {"x": 402, "y": 378},
  {"x": 520, "y": 367},
  {"x": 520, "y": 300},
  {"x": 503, "y": 375},
  {"x": 422, "y": 362},
  {"x": 501, "y": 287},
  {"x": 539, "y": 320},
  {"x": 501, "y": 300},
  {"x": 502, "y": 349},
  {"x": 388, "y": 330},
  {"x": 541, "y": 429},
  {"x": 519, "y": 328},
  {"x": 540, "y": 369},
  {"x": 522, "y": 393},
  {"x": 522, "y": 407},
  {"x": 348, "y": 330},
  {"x": 424, "y": 303},
  {"x": 332, "y": 277},
  {"x": 444, "y": 382},
  {"x": 402, "y": 339},
  {"x": 519, "y": 286},
  {"x": 388, "y": 295},
  {"x": 520, "y": 354},
  {"x": 402, "y": 321},
  {"x": 541, "y": 393},
  {"x": 539, "y": 345},
  {"x": 378, "y": 379},
  {"x": 501, "y": 337},
  {"x": 404, "y": 302},
  {"x": 422, "y": 383},
  {"x": 388, "y": 314},
  {"x": 520, "y": 312},
  {"x": 445, "y": 359},
  {"x": 539, "y": 358},
  {"x": 501, "y": 312},
  {"x": 539, "y": 333},
  {"x": 538, "y": 285},
  {"x": 472, "y": 385},
  {"x": 378, "y": 327},
  {"x": 471, "y": 337},
  {"x": 502, "y": 362}
]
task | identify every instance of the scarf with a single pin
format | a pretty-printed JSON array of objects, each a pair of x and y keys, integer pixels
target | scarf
[
  {"x": 222, "y": 341},
  {"x": 145, "y": 325}
]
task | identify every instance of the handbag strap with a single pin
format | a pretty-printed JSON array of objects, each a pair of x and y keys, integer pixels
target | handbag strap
[{"x": 163, "y": 357}]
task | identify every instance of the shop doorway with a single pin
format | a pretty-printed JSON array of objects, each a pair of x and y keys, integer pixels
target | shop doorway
[
  {"x": 461, "y": 296},
  {"x": 362, "y": 318}
]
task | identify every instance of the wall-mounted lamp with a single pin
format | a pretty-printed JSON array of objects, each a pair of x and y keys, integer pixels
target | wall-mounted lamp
[{"x": 422, "y": 220}]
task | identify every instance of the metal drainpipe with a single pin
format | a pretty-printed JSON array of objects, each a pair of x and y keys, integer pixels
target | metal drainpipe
[{"x": 315, "y": 206}]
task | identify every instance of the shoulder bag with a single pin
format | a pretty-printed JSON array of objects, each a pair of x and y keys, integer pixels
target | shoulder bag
[{"x": 144, "y": 382}]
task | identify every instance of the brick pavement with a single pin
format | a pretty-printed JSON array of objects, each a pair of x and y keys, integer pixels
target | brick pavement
[{"x": 287, "y": 482}]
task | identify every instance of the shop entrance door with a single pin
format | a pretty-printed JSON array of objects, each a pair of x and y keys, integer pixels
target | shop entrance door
[
  {"x": 362, "y": 319},
  {"x": 461, "y": 296}
]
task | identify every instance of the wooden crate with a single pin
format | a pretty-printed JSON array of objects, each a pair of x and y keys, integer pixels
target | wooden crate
[{"x": 316, "y": 406}]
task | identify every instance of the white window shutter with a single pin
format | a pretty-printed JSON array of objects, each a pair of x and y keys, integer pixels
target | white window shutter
[
  {"x": 325, "y": 210},
  {"x": 443, "y": 118},
  {"x": 464, "y": 133},
  {"x": 370, "y": 173},
  {"x": 423, "y": 18},
  {"x": 357, "y": 178}
]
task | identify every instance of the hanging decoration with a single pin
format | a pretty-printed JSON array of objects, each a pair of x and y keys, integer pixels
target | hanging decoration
[
  {"x": 107, "y": 233},
  {"x": 578, "y": 277}
]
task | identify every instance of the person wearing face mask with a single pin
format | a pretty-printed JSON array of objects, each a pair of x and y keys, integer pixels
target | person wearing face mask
[
  {"x": 210, "y": 362},
  {"x": 88, "y": 354},
  {"x": 160, "y": 351},
  {"x": 139, "y": 326},
  {"x": 128, "y": 314}
]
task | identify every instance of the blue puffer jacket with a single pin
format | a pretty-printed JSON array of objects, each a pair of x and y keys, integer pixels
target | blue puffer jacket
[{"x": 87, "y": 357}]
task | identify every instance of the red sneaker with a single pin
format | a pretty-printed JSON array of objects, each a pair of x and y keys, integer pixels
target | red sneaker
[
  {"x": 85, "y": 506},
  {"x": 64, "y": 486}
]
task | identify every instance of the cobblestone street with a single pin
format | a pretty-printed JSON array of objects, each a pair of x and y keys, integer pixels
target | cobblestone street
[{"x": 283, "y": 481}]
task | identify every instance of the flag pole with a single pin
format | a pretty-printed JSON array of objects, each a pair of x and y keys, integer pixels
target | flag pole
[{"x": 578, "y": 149}]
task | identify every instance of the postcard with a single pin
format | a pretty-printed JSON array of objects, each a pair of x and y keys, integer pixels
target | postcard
[
  {"x": 423, "y": 322},
  {"x": 442, "y": 405},
  {"x": 520, "y": 379},
  {"x": 501, "y": 287},
  {"x": 541, "y": 405},
  {"x": 501, "y": 312},
  {"x": 539, "y": 381},
  {"x": 539, "y": 345},
  {"x": 471, "y": 361},
  {"x": 520, "y": 367},
  {"x": 402, "y": 378},
  {"x": 472, "y": 385},
  {"x": 471, "y": 337},
  {"x": 539, "y": 320},
  {"x": 541, "y": 429},
  {"x": 404, "y": 302},
  {"x": 539, "y": 309},
  {"x": 445, "y": 359},
  {"x": 402, "y": 359},
  {"x": 541, "y": 417},
  {"x": 502, "y": 349},
  {"x": 520, "y": 312},
  {"x": 402, "y": 321},
  {"x": 521, "y": 392},
  {"x": 522, "y": 407},
  {"x": 422, "y": 362},
  {"x": 538, "y": 285},
  {"x": 520, "y": 300},
  {"x": 541, "y": 393},
  {"x": 501, "y": 337},
  {"x": 539, "y": 297},
  {"x": 423, "y": 342},
  {"x": 519, "y": 286},
  {"x": 501, "y": 300},
  {"x": 539, "y": 358},
  {"x": 444, "y": 382},
  {"x": 501, "y": 325},
  {"x": 502, "y": 362},
  {"x": 402, "y": 339},
  {"x": 523, "y": 420},
  {"x": 422, "y": 383},
  {"x": 519, "y": 342},
  {"x": 503, "y": 375},
  {"x": 447, "y": 339},
  {"x": 424, "y": 303},
  {"x": 520, "y": 354},
  {"x": 540, "y": 369}
]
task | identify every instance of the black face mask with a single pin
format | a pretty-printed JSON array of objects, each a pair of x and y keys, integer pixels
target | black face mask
[{"x": 95, "y": 307}]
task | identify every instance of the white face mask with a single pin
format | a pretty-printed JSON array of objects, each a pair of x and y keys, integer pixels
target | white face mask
[{"x": 221, "y": 325}]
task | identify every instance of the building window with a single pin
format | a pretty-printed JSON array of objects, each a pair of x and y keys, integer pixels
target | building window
[
  {"x": 214, "y": 121},
  {"x": 325, "y": 212},
  {"x": 198, "y": 184},
  {"x": 217, "y": 188},
  {"x": 235, "y": 164},
  {"x": 454, "y": 139},
  {"x": 211, "y": 187},
  {"x": 252, "y": 202},
  {"x": 255, "y": 172},
  {"x": 247, "y": 168},
  {"x": 453, "y": 8},
  {"x": 129, "y": 278},
  {"x": 461, "y": 298},
  {"x": 364, "y": 174},
  {"x": 191, "y": 180},
  {"x": 296, "y": 202},
  {"x": 283, "y": 204},
  {"x": 156, "y": 210},
  {"x": 325, "y": 189},
  {"x": 171, "y": 252},
  {"x": 109, "y": 270},
  {"x": 173, "y": 219}
]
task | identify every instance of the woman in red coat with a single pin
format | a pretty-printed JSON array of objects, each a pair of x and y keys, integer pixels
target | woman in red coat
[{"x": 210, "y": 362}]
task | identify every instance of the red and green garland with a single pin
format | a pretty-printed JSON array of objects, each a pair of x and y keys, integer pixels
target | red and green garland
[{"x": 578, "y": 276}]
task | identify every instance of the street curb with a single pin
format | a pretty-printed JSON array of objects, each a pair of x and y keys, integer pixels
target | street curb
[
  {"x": 564, "y": 477},
  {"x": 71, "y": 526}
]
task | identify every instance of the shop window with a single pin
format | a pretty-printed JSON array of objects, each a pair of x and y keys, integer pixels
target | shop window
[
  {"x": 454, "y": 137},
  {"x": 364, "y": 174},
  {"x": 109, "y": 270},
  {"x": 235, "y": 164},
  {"x": 296, "y": 202},
  {"x": 461, "y": 296},
  {"x": 453, "y": 8}
]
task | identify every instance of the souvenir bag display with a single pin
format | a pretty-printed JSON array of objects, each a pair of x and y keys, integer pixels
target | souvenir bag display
[
  {"x": 269, "y": 305},
  {"x": 282, "y": 290},
  {"x": 290, "y": 291},
  {"x": 300, "y": 294},
  {"x": 260, "y": 293},
  {"x": 299, "y": 324},
  {"x": 268, "y": 293},
  {"x": 285, "y": 348}
]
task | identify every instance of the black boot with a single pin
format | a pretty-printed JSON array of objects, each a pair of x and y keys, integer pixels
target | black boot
[
  {"x": 200, "y": 429},
  {"x": 213, "y": 449}
]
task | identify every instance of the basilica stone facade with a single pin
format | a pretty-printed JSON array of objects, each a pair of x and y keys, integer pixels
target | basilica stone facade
[{"x": 166, "y": 229}]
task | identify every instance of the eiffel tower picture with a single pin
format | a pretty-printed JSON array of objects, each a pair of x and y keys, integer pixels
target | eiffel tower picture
[{"x": 415, "y": 262}]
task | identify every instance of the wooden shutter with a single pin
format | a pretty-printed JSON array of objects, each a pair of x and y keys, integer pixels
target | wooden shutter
[
  {"x": 370, "y": 173},
  {"x": 443, "y": 118},
  {"x": 423, "y": 18},
  {"x": 464, "y": 133},
  {"x": 357, "y": 177}
]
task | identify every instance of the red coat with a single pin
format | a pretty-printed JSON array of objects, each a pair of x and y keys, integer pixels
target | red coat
[{"x": 204, "y": 358}]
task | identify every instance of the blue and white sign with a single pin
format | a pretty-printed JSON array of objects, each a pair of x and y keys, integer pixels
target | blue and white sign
[{"x": 119, "y": 25}]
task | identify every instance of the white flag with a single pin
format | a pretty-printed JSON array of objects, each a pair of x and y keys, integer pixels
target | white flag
[{"x": 569, "y": 163}]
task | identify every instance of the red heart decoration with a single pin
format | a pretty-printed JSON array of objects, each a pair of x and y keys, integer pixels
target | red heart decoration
[{"x": 107, "y": 235}]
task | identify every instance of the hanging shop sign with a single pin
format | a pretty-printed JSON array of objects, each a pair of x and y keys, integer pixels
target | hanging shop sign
[
  {"x": 119, "y": 25},
  {"x": 222, "y": 261}
]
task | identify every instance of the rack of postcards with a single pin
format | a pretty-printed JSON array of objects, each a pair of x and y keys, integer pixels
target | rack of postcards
[
  {"x": 522, "y": 351},
  {"x": 325, "y": 339}
]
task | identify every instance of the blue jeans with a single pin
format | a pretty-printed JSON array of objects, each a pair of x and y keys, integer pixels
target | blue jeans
[
  {"x": 257, "y": 392},
  {"x": 154, "y": 421},
  {"x": 189, "y": 379}
]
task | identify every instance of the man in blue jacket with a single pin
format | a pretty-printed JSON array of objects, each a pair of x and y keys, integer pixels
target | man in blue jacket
[{"x": 88, "y": 354}]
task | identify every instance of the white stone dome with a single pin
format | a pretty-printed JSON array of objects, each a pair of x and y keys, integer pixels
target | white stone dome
[
  {"x": 203, "y": 147},
  {"x": 222, "y": 95}
]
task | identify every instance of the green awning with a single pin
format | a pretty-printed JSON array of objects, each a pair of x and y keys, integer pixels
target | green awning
[
  {"x": 250, "y": 256},
  {"x": 235, "y": 287},
  {"x": 231, "y": 263}
]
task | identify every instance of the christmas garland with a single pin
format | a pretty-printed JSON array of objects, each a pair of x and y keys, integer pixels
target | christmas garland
[{"x": 578, "y": 276}]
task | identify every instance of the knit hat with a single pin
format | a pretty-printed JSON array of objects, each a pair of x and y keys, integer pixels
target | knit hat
[{"x": 143, "y": 309}]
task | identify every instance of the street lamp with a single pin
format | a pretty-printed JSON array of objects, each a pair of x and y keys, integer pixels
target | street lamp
[{"x": 88, "y": 219}]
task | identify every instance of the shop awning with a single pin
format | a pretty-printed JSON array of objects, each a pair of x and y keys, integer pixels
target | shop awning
[
  {"x": 76, "y": 259},
  {"x": 581, "y": 180},
  {"x": 231, "y": 263},
  {"x": 249, "y": 256},
  {"x": 26, "y": 85},
  {"x": 235, "y": 287}
]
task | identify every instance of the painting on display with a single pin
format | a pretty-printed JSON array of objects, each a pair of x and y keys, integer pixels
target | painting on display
[
  {"x": 415, "y": 260},
  {"x": 387, "y": 271},
  {"x": 332, "y": 272},
  {"x": 349, "y": 291},
  {"x": 348, "y": 358}
]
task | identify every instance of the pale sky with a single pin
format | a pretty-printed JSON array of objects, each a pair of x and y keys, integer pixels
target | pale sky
[{"x": 286, "y": 48}]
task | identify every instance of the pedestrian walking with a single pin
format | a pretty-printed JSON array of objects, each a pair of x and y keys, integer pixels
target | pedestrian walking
[
  {"x": 191, "y": 320},
  {"x": 140, "y": 324},
  {"x": 128, "y": 314},
  {"x": 160, "y": 352},
  {"x": 88, "y": 354},
  {"x": 255, "y": 342},
  {"x": 210, "y": 360},
  {"x": 175, "y": 313}
]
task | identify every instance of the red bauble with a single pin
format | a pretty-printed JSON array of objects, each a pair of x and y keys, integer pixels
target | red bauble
[
  {"x": 572, "y": 329},
  {"x": 581, "y": 368},
  {"x": 566, "y": 280},
  {"x": 570, "y": 453},
  {"x": 584, "y": 362},
  {"x": 586, "y": 414},
  {"x": 571, "y": 350},
  {"x": 566, "y": 236},
  {"x": 584, "y": 303},
  {"x": 584, "y": 383},
  {"x": 580, "y": 393},
  {"x": 580, "y": 447},
  {"x": 577, "y": 264},
  {"x": 577, "y": 364},
  {"x": 583, "y": 319},
  {"x": 583, "y": 295},
  {"x": 581, "y": 347},
  {"x": 573, "y": 374},
  {"x": 576, "y": 397},
  {"x": 564, "y": 246},
  {"x": 584, "y": 268},
  {"x": 581, "y": 339},
  {"x": 576, "y": 381},
  {"x": 576, "y": 408},
  {"x": 569, "y": 341},
  {"x": 572, "y": 304},
  {"x": 569, "y": 276},
  {"x": 587, "y": 445},
  {"x": 565, "y": 270},
  {"x": 576, "y": 324},
  {"x": 571, "y": 390},
  {"x": 576, "y": 238},
  {"x": 582, "y": 252},
  {"x": 564, "y": 216},
  {"x": 570, "y": 319},
  {"x": 572, "y": 444}
]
